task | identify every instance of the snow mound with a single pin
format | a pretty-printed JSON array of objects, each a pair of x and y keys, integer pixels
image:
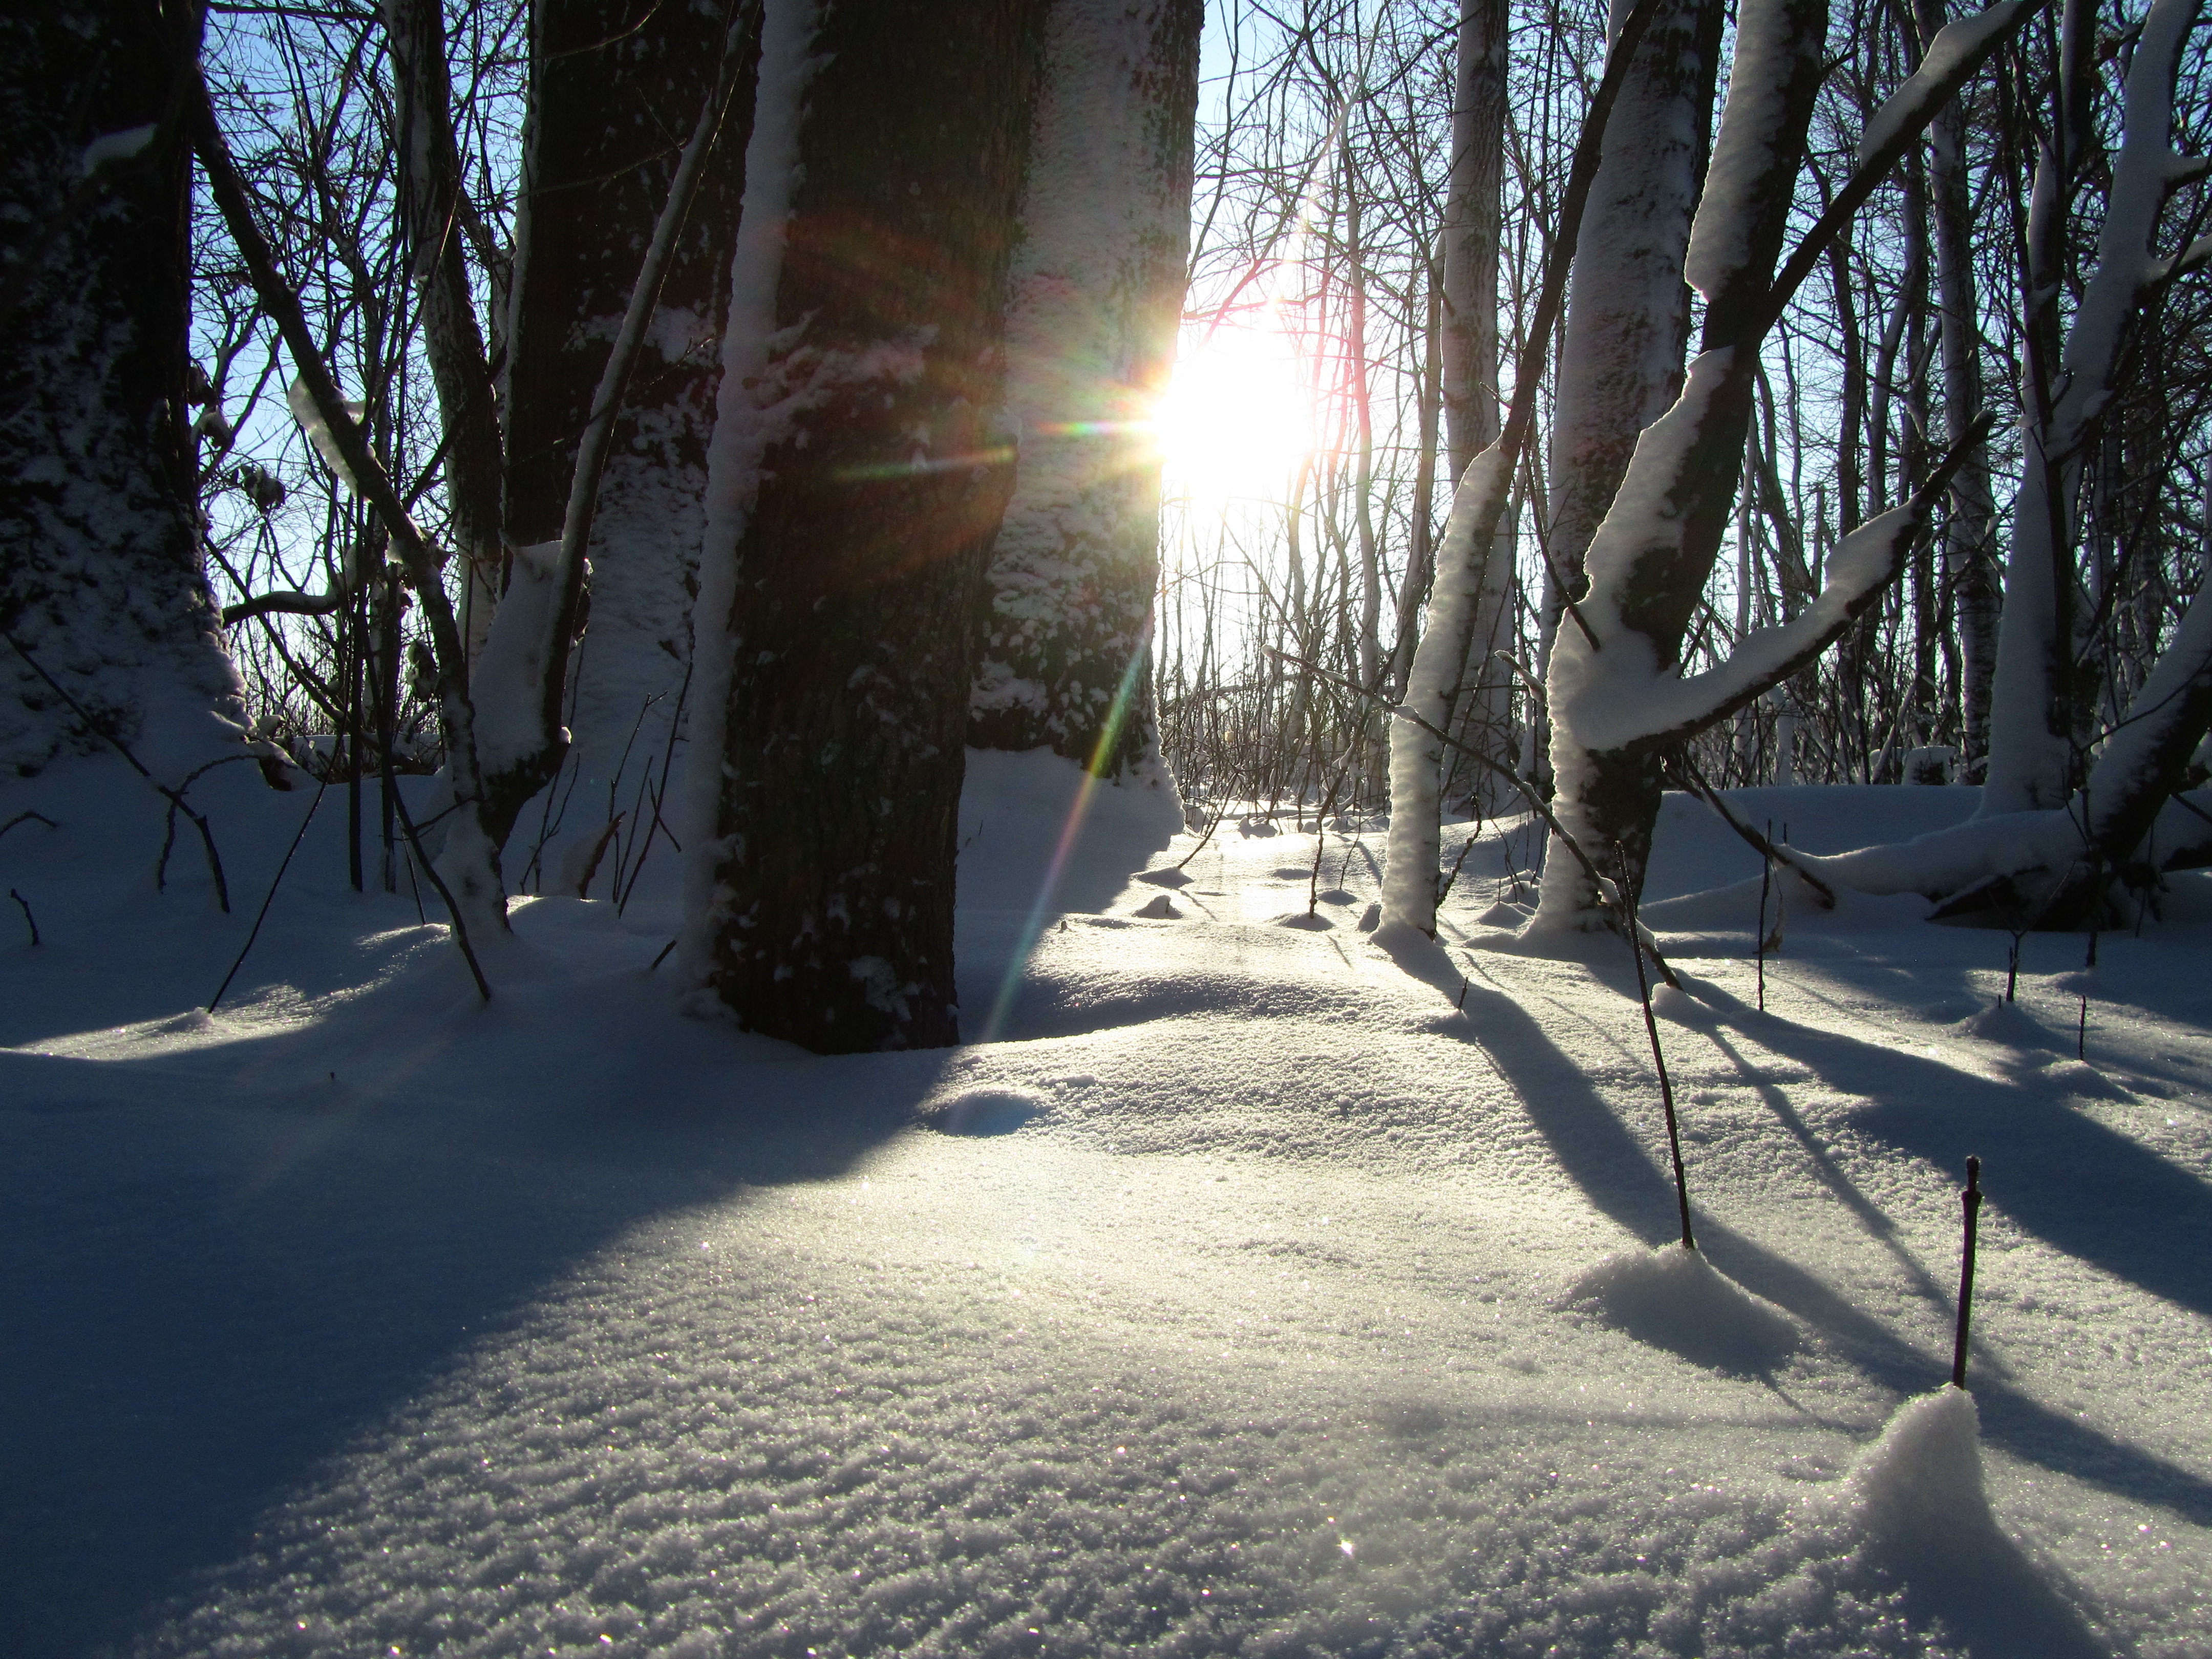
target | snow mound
[
  {"x": 1675, "y": 1300},
  {"x": 1920, "y": 1498},
  {"x": 1159, "y": 909},
  {"x": 1671, "y": 1002},
  {"x": 1504, "y": 914},
  {"x": 2006, "y": 1023},
  {"x": 1919, "y": 1486},
  {"x": 986, "y": 1112}
]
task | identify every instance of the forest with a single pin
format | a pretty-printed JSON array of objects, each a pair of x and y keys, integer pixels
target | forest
[{"x": 1107, "y": 826}]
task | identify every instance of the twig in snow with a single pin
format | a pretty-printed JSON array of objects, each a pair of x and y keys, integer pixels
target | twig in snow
[
  {"x": 1970, "y": 1201},
  {"x": 25, "y": 817},
  {"x": 1763, "y": 845},
  {"x": 1658, "y": 1058},
  {"x": 29, "y": 920},
  {"x": 415, "y": 843},
  {"x": 175, "y": 797},
  {"x": 1765, "y": 880},
  {"x": 269, "y": 898}
]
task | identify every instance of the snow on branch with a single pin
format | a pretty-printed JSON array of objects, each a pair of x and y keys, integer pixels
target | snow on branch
[
  {"x": 1611, "y": 713},
  {"x": 2144, "y": 175},
  {"x": 1959, "y": 49}
]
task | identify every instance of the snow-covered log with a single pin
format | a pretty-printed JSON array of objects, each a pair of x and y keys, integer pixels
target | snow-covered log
[
  {"x": 100, "y": 566},
  {"x": 1094, "y": 299},
  {"x": 860, "y": 466}
]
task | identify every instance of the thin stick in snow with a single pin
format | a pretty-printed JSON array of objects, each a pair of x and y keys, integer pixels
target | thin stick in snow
[
  {"x": 1658, "y": 1056},
  {"x": 29, "y": 920},
  {"x": 1970, "y": 1201},
  {"x": 268, "y": 899}
]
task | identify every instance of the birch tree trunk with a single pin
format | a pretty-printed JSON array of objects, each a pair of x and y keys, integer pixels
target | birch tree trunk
[
  {"x": 101, "y": 576},
  {"x": 1969, "y": 559},
  {"x": 1469, "y": 350},
  {"x": 858, "y": 470},
  {"x": 1094, "y": 299},
  {"x": 2035, "y": 742}
]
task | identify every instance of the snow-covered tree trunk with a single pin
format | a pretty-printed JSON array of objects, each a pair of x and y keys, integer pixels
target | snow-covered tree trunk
[
  {"x": 101, "y": 578},
  {"x": 1628, "y": 309},
  {"x": 612, "y": 95},
  {"x": 2033, "y": 740},
  {"x": 1618, "y": 698},
  {"x": 1094, "y": 299},
  {"x": 431, "y": 208},
  {"x": 860, "y": 466}
]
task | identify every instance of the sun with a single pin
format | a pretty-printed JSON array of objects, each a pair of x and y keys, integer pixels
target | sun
[{"x": 1237, "y": 417}]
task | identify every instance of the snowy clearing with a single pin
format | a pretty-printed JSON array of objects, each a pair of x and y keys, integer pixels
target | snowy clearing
[{"x": 1251, "y": 1291}]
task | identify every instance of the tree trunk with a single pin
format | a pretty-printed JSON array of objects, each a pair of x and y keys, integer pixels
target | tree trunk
[
  {"x": 616, "y": 86},
  {"x": 1094, "y": 299},
  {"x": 102, "y": 574},
  {"x": 1469, "y": 344},
  {"x": 1628, "y": 311},
  {"x": 1969, "y": 559},
  {"x": 857, "y": 478},
  {"x": 431, "y": 211}
]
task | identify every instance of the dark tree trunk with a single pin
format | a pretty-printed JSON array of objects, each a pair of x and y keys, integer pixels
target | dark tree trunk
[
  {"x": 616, "y": 87},
  {"x": 101, "y": 578},
  {"x": 1095, "y": 297},
  {"x": 842, "y": 657}
]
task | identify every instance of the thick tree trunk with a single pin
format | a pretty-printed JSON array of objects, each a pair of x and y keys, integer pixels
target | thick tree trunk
[
  {"x": 858, "y": 476},
  {"x": 1628, "y": 321},
  {"x": 101, "y": 578},
  {"x": 1628, "y": 311},
  {"x": 616, "y": 87},
  {"x": 1094, "y": 299}
]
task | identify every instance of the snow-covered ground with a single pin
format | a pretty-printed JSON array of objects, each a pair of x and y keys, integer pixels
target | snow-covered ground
[{"x": 1246, "y": 1288}]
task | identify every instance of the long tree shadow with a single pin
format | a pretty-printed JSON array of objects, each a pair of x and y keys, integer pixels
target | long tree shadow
[
  {"x": 1614, "y": 1172},
  {"x": 223, "y": 1266}
]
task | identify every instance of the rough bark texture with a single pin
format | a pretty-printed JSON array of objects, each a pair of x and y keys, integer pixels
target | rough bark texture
[
  {"x": 616, "y": 86},
  {"x": 101, "y": 577},
  {"x": 859, "y": 568},
  {"x": 1095, "y": 296}
]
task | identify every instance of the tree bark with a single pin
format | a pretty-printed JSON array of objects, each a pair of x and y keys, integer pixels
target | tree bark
[
  {"x": 1969, "y": 560},
  {"x": 616, "y": 87},
  {"x": 1469, "y": 345},
  {"x": 1095, "y": 297},
  {"x": 859, "y": 473},
  {"x": 102, "y": 574}
]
